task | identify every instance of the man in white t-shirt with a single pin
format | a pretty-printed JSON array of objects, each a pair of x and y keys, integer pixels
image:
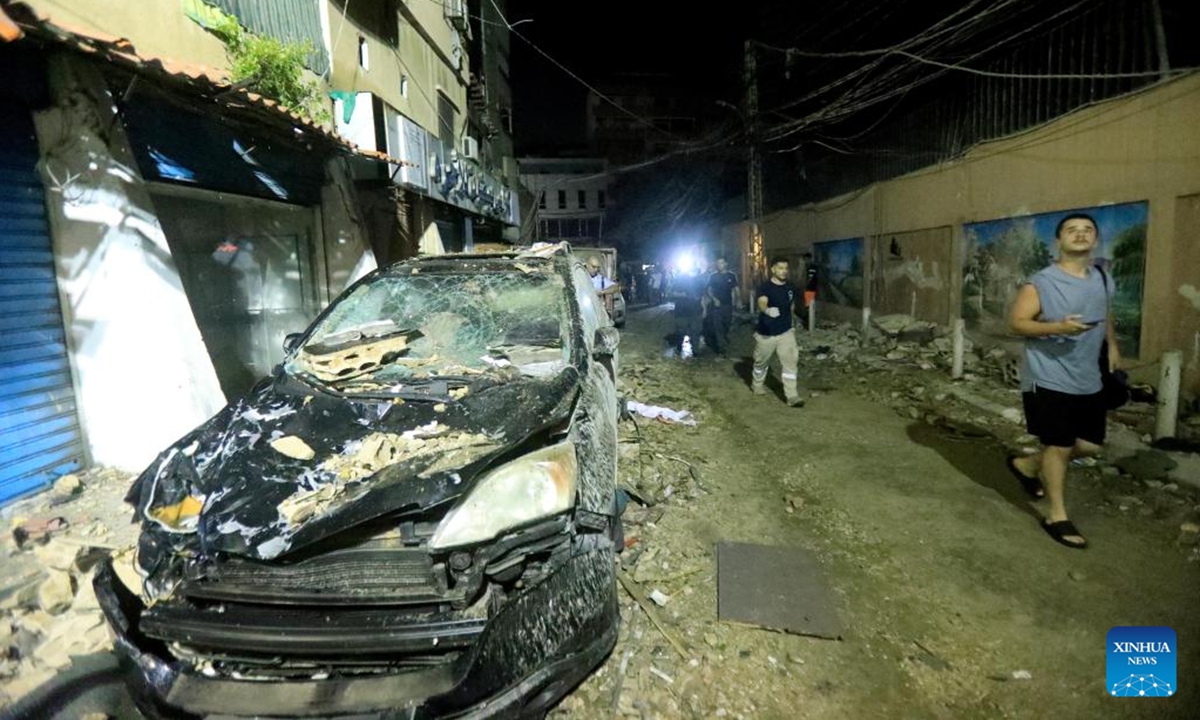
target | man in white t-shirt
[{"x": 605, "y": 286}]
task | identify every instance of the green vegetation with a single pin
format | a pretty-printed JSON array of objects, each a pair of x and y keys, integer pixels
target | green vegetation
[
  {"x": 1128, "y": 267},
  {"x": 275, "y": 67}
]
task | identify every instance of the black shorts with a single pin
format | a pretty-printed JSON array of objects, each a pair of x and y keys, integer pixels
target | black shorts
[{"x": 1059, "y": 419}]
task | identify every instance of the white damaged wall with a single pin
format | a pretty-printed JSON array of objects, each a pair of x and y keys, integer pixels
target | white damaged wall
[
  {"x": 347, "y": 253},
  {"x": 143, "y": 376}
]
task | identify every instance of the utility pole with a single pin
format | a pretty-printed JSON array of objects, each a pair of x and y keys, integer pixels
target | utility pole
[
  {"x": 753, "y": 163},
  {"x": 1160, "y": 37}
]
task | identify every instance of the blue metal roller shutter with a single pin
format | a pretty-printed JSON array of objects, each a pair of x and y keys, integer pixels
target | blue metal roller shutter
[{"x": 40, "y": 437}]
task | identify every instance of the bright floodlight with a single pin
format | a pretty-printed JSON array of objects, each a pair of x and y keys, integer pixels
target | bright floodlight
[{"x": 684, "y": 262}]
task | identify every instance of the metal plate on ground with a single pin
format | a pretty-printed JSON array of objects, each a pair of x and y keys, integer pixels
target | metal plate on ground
[{"x": 774, "y": 587}]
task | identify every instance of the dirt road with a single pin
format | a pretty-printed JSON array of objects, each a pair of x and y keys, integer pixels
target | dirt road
[{"x": 943, "y": 581}]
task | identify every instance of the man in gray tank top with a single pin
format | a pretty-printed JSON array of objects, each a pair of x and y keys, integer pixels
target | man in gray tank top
[{"x": 1064, "y": 315}]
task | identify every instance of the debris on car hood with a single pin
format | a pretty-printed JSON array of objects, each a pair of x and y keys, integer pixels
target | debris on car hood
[{"x": 281, "y": 469}]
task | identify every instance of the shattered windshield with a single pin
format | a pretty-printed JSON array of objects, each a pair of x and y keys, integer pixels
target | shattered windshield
[{"x": 418, "y": 324}]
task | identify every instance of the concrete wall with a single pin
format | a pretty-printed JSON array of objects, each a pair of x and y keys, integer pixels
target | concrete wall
[
  {"x": 427, "y": 72},
  {"x": 911, "y": 273},
  {"x": 571, "y": 185},
  {"x": 143, "y": 375},
  {"x": 156, "y": 28},
  {"x": 1142, "y": 147}
]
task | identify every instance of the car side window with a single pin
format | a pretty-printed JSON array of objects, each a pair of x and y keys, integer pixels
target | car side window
[{"x": 589, "y": 304}]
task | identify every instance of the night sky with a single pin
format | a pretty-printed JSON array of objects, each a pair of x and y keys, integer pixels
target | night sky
[
  {"x": 599, "y": 40},
  {"x": 701, "y": 49},
  {"x": 700, "y": 46}
]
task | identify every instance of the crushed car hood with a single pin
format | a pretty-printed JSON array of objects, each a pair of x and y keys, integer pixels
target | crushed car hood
[{"x": 278, "y": 469}]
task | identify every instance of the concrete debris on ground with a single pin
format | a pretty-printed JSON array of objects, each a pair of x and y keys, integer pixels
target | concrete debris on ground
[
  {"x": 48, "y": 608},
  {"x": 900, "y": 363}
]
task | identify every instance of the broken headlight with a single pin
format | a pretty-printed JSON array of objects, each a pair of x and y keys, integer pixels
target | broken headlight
[{"x": 535, "y": 486}]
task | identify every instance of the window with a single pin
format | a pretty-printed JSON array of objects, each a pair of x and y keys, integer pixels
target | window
[
  {"x": 542, "y": 200},
  {"x": 364, "y": 53},
  {"x": 600, "y": 199},
  {"x": 403, "y": 86},
  {"x": 378, "y": 17},
  {"x": 446, "y": 115},
  {"x": 562, "y": 199},
  {"x": 582, "y": 199}
]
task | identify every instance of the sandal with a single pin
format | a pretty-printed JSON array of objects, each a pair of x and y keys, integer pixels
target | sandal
[
  {"x": 1032, "y": 485},
  {"x": 1063, "y": 529}
]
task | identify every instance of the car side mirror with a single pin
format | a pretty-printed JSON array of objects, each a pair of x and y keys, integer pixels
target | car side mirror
[
  {"x": 606, "y": 342},
  {"x": 291, "y": 341}
]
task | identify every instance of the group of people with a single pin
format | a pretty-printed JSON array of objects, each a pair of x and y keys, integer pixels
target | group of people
[
  {"x": 704, "y": 309},
  {"x": 1064, "y": 313}
]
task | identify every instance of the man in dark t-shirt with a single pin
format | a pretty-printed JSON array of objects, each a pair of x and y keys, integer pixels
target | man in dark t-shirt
[
  {"x": 776, "y": 302},
  {"x": 686, "y": 292},
  {"x": 722, "y": 293}
]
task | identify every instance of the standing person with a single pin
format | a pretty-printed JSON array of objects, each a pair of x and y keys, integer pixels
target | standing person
[
  {"x": 605, "y": 286},
  {"x": 810, "y": 283},
  {"x": 776, "y": 301},
  {"x": 656, "y": 280},
  {"x": 686, "y": 293},
  {"x": 1063, "y": 313},
  {"x": 722, "y": 293}
]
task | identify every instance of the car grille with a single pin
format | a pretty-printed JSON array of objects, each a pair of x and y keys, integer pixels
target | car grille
[
  {"x": 378, "y": 572},
  {"x": 312, "y": 633}
]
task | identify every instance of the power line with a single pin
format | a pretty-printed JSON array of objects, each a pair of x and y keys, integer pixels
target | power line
[
  {"x": 927, "y": 34},
  {"x": 1046, "y": 76},
  {"x": 578, "y": 79},
  {"x": 850, "y": 105}
]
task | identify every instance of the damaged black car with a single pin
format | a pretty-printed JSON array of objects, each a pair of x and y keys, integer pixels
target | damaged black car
[{"x": 414, "y": 516}]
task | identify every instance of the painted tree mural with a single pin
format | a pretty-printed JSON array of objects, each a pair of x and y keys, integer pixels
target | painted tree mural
[{"x": 1000, "y": 255}]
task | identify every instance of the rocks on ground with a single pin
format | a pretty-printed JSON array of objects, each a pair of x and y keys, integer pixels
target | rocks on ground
[{"x": 48, "y": 608}]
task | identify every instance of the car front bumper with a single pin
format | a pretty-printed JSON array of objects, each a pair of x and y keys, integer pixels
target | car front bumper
[{"x": 530, "y": 653}]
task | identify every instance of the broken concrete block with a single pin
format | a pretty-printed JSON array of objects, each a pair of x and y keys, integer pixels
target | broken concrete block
[
  {"x": 85, "y": 596},
  {"x": 58, "y": 554},
  {"x": 24, "y": 642},
  {"x": 892, "y": 324},
  {"x": 81, "y": 634},
  {"x": 7, "y": 635},
  {"x": 125, "y": 567},
  {"x": 37, "y": 622},
  {"x": 293, "y": 447},
  {"x": 1013, "y": 415},
  {"x": 67, "y": 486},
  {"x": 28, "y": 679},
  {"x": 23, "y": 593},
  {"x": 55, "y": 593}
]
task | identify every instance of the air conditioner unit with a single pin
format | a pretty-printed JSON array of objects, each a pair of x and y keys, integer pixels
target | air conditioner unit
[
  {"x": 456, "y": 13},
  {"x": 470, "y": 148}
]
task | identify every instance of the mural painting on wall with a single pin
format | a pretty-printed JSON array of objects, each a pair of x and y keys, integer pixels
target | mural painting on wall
[
  {"x": 999, "y": 255},
  {"x": 839, "y": 271}
]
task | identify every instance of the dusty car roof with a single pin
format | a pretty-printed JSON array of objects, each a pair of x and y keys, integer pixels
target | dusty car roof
[{"x": 519, "y": 258}]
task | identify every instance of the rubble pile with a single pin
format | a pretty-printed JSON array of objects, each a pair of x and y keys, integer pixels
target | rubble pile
[{"x": 48, "y": 609}]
